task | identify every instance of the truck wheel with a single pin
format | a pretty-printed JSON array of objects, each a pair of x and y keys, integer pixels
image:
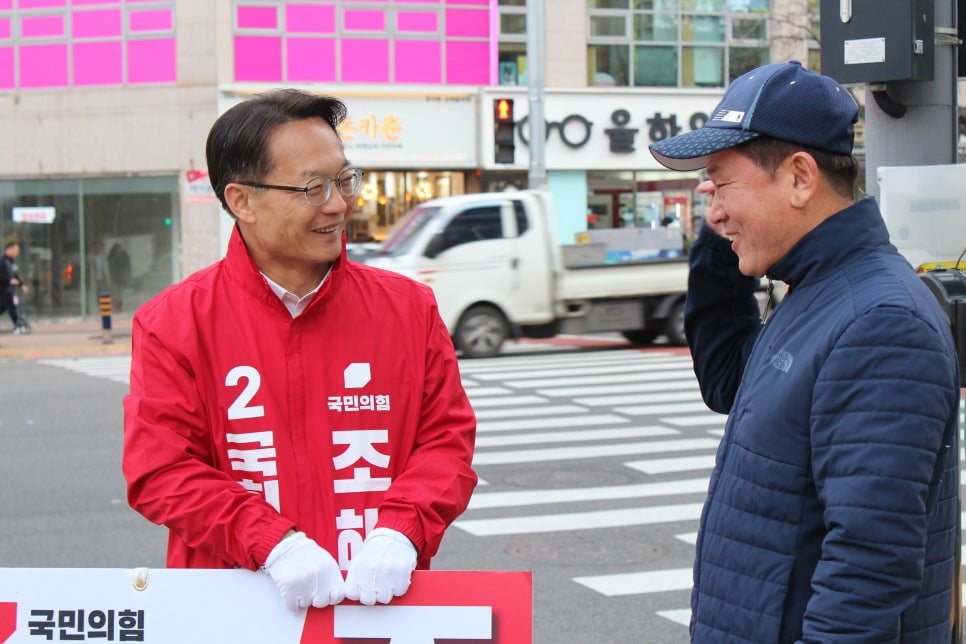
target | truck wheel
[
  {"x": 640, "y": 336},
  {"x": 480, "y": 332},
  {"x": 674, "y": 326}
]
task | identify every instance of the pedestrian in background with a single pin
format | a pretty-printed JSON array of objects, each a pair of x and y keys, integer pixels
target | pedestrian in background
[
  {"x": 11, "y": 286},
  {"x": 99, "y": 276},
  {"x": 290, "y": 409},
  {"x": 832, "y": 508},
  {"x": 119, "y": 261}
]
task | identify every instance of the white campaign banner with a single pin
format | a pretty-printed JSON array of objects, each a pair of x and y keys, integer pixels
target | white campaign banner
[{"x": 176, "y": 606}]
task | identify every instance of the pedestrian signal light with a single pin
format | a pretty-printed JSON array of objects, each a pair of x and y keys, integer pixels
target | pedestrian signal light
[{"x": 503, "y": 130}]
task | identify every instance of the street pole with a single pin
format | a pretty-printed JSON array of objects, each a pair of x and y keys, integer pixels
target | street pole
[
  {"x": 923, "y": 128},
  {"x": 537, "y": 179}
]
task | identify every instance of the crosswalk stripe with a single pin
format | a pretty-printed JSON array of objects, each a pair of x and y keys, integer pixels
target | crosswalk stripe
[
  {"x": 551, "y": 422},
  {"x": 643, "y": 399},
  {"x": 497, "y": 440},
  {"x": 590, "y": 451},
  {"x": 679, "y": 616},
  {"x": 656, "y": 409},
  {"x": 490, "y": 414},
  {"x": 530, "y": 363},
  {"x": 581, "y": 520},
  {"x": 678, "y": 464},
  {"x": 555, "y": 371},
  {"x": 635, "y": 583},
  {"x": 574, "y": 380},
  {"x": 568, "y": 495},
  {"x": 477, "y": 392},
  {"x": 500, "y": 401},
  {"x": 698, "y": 420},
  {"x": 682, "y": 384}
]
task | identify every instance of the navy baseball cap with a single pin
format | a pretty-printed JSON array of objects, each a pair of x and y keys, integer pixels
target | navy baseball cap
[{"x": 781, "y": 100}]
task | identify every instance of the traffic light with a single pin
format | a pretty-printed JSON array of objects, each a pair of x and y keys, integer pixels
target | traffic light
[{"x": 503, "y": 127}]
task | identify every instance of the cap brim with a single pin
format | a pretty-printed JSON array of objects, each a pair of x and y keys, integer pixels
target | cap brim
[{"x": 689, "y": 151}]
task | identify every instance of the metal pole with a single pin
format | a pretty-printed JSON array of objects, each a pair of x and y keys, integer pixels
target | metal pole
[
  {"x": 535, "y": 118},
  {"x": 927, "y": 132}
]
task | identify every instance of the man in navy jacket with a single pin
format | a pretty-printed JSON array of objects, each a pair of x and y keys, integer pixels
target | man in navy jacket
[{"x": 832, "y": 508}]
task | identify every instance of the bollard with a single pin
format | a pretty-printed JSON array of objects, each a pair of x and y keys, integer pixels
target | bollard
[{"x": 105, "y": 300}]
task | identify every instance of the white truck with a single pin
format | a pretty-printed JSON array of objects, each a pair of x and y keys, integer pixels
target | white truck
[{"x": 493, "y": 261}]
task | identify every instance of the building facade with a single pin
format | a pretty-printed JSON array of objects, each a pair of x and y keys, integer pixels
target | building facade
[{"x": 106, "y": 105}]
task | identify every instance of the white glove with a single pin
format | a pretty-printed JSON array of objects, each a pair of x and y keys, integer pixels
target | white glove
[
  {"x": 382, "y": 569},
  {"x": 305, "y": 573}
]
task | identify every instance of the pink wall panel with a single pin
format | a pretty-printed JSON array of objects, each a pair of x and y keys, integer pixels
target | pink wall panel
[
  {"x": 258, "y": 58},
  {"x": 7, "y": 75},
  {"x": 354, "y": 20},
  {"x": 151, "y": 61},
  {"x": 419, "y": 21},
  {"x": 468, "y": 22},
  {"x": 40, "y": 4},
  {"x": 257, "y": 18},
  {"x": 468, "y": 63},
  {"x": 419, "y": 1},
  {"x": 160, "y": 20},
  {"x": 81, "y": 3},
  {"x": 96, "y": 24},
  {"x": 365, "y": 60},
  {"x": 311, "y": 59},
  {"x": 6, "y": 4},
  {"x": 98, "y": 63},
  {"x": 418, "y": 61},
  {"x": 482, "y": 3},
  {"x": 43, "y": 65},
  {"x": 309, "y": 19},
  {"x": 4, "y": 28},
  {"x": 42, "y": 27}
]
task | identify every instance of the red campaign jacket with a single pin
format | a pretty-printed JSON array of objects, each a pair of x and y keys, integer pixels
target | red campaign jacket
[{"x": 243, "y": 422}]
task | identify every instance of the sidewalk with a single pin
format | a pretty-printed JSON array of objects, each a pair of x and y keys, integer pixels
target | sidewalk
[{"x": 66, "y": 338}]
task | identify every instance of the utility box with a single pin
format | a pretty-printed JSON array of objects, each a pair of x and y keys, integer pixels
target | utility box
[{"x": 874, "y": 41}]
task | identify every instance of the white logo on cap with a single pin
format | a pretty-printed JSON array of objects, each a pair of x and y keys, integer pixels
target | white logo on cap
[{"x": 729, "y": 116}]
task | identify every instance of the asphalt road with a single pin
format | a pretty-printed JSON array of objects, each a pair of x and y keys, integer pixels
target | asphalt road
[{"x": 594, "y": 465}]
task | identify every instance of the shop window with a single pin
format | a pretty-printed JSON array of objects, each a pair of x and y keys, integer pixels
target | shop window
[
  {"x": 513, "y": 64},
  {"x": 607, "y": 65},
  {"x": 749, "y": 29},
  {"x": 656, "y": 5},
  {"x": 655, "y": 66},
  {"x": 608, "y": 26},
  {"x": 651, "y": 27},
  {"x": 68, "y": 260},
  {"x": 702, "y": 67},
  {"x": 607, "y": 4},
  {"x": 702, "y": 29},
  {"x": 745, "y": 59}
]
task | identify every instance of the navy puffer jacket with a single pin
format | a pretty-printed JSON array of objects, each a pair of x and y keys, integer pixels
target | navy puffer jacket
[{"x": 832, "y": 509}]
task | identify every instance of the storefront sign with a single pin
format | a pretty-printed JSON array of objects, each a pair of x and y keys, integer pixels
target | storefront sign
[
  {"x": 239, "y": 606},
  {"x": 405, "y": 129},
  {"x": 610, "y": 130},
  {"x": 34, "y": 215},
  {"x": 198, "y": 187}
]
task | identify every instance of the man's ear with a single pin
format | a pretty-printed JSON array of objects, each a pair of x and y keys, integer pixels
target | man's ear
[
  {"x": 804, "y": 175},
  {"x": 238, "y": 198}
]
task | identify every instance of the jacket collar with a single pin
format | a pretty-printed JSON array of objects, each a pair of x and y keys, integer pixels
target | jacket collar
[
  {"x": 241, "y": 267},
  {"x": 833, "y": 242}
]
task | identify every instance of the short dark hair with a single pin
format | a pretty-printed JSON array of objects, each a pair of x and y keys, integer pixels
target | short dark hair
[
  {"x": 840, "y": 170},
  {"x": 11, "y": 244},
  {"x": 237, "y": 146}
]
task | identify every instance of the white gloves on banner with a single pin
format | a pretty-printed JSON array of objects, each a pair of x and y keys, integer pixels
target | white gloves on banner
[
  {"x": 382, "y": 568},
  {"x": 305, "y": 573}
]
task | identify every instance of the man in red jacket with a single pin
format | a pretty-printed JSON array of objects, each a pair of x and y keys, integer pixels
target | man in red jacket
[{"x": 290, "y": 409}]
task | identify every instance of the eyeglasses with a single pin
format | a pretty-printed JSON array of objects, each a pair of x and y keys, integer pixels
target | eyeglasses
[{"x": 317, "y": 191}]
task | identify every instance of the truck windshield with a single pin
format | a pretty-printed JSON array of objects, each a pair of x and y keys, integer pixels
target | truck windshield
[{"x": 406, "y": 231}]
